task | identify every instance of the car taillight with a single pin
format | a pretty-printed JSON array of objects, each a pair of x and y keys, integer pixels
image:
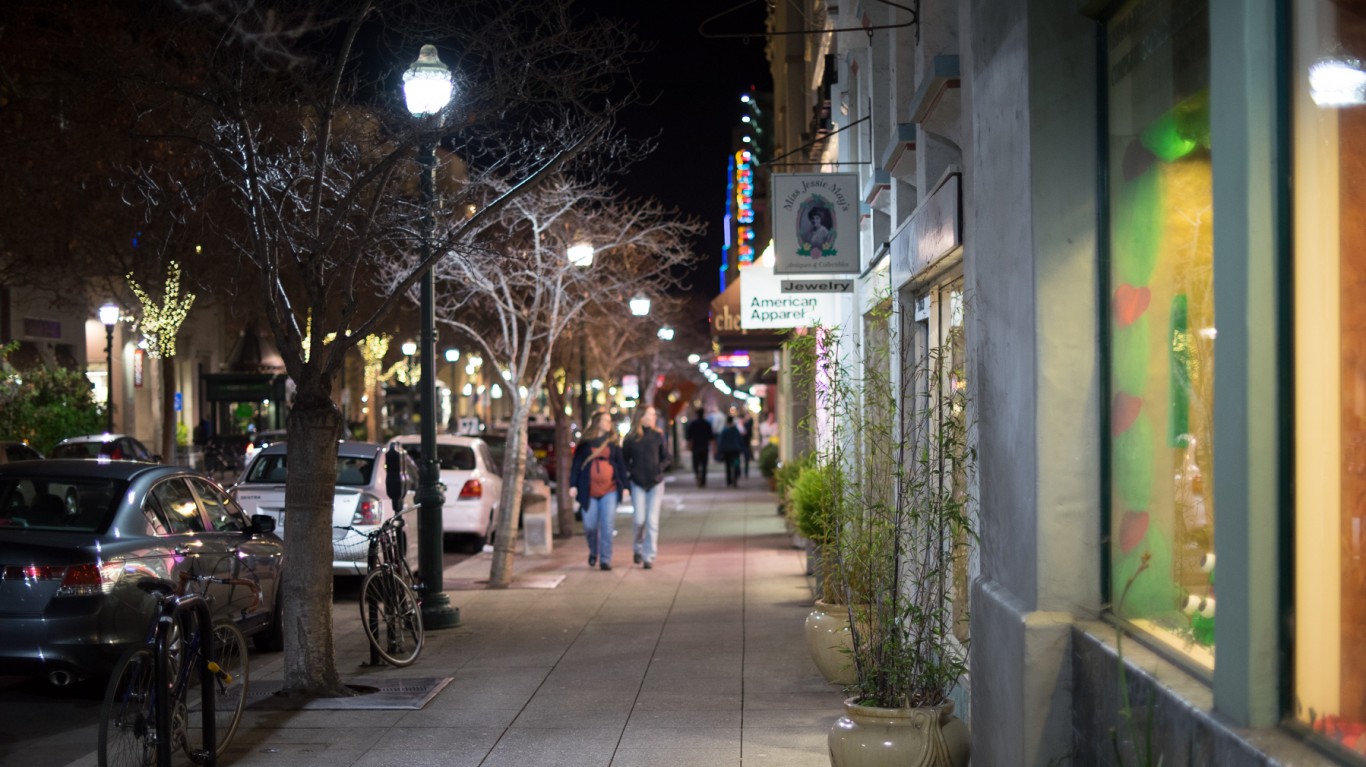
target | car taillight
[
  {"x": 473, "y": 489},
  {"x": 367, "y": 511},
  {"x": 76, "y": 580}
]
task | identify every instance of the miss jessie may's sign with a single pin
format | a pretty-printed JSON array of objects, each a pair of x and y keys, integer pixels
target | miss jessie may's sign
[{"x": 815, "y": 225}]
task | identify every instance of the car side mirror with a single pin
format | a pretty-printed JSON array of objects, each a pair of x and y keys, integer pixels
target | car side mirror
[
  {"x": 394, "y": 485},
  {"x": 156, "y": 458},
  {"x": 262, "y": 524}
]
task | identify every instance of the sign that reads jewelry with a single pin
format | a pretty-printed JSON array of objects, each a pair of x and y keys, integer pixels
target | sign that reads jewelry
[{"x": 815, "y": 225}]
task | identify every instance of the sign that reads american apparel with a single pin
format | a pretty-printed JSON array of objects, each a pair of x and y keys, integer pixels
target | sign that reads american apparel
[
  {"x": 763, "y": 304},
  {"x": 815, "y": 225}
]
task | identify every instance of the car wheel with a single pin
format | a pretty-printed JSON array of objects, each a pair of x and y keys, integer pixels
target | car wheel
[{"x": 273, "y": 638}]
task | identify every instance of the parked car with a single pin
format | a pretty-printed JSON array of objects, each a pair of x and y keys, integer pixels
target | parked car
[
  {"x": 262, "y": 440},
  {"x": 535, "y": 480},
  {"x": 115, "y": 447},
  {"x": 361, "y": 497},
  {"x": 540, "y": 437},
  {"x": 473, "y": 485},
  {"x": 76, "y": 538},
  {"x": 18, "y": 451}
]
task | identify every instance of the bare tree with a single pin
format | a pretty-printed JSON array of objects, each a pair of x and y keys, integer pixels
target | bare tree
[
  {"x": 518, "y": 279},
  {"x": 307, "y": 161}
]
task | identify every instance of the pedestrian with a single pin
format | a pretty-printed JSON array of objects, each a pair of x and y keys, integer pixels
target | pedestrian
[
  {"x": 700, "y": 436},
  {"x": 746, "y": 425},
  {"x": 769, "y": 428},
  {"x": 730, "y": 446},
  {"x": 647, "y": 458},
  {"x": 598, "y": 474}
]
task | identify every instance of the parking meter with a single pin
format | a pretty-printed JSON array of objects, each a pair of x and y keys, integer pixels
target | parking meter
[{"x": 393, "y": 475}]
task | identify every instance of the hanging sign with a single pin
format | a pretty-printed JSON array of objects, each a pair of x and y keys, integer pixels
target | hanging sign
[
  {"x": 815, "y": 223},
  {"x": 138, "y": 355},
  {"x": 763, "y": 304}
]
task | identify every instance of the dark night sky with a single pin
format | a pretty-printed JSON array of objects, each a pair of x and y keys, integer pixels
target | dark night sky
[{"x": 698, "y": 82}]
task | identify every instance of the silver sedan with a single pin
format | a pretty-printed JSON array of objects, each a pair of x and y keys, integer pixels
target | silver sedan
[{"x": 77, "y": 536}]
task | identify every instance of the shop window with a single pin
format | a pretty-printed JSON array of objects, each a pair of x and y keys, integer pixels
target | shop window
[
  {"x": 1161, "y": 325},
  {"x": 1329, "y": 108}
]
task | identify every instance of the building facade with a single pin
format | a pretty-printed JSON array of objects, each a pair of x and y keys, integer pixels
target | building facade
[{"x": 1140, "y": 218}]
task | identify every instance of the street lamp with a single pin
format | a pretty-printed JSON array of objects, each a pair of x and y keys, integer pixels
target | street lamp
[
  {"x": 452, "y": 357},
  {"x": 666, "y": 333},
  {"x": 427, "y": 89},
  {"x": 640, "y": 306},
  {"x": 109, "y": 317},
  {"x": 581, "y": 255}
]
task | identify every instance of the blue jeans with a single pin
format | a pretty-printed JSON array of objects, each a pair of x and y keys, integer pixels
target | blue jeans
[
  {"x": 646, "y": 505},
  {"x": 598, "y": 518}
]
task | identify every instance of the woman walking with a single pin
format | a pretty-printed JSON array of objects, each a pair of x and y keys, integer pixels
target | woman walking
[
  {"x": 598, "y": 475},
  {"x": 647, "y": 458}
]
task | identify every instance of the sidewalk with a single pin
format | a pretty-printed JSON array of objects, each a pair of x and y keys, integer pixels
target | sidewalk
[{"x": 700, "y": 661}]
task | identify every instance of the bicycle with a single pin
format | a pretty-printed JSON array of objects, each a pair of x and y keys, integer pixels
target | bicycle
[
  {"x": 139, "y": 727},
  {"x": 390, "y": 610}
]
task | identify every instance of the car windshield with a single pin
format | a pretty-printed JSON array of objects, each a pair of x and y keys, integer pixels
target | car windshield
[
  {"x": 451, "y": 457},
  {"x": 78, "y": 450},
  {"x": 351, "y": 470},
  {"x": 76, "y": 504}
]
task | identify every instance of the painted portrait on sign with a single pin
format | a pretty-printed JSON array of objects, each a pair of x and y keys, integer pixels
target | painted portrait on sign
[{"x": 816, "y": 228}]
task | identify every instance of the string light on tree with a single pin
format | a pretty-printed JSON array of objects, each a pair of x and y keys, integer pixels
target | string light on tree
[{"x": 161, "y": 321}]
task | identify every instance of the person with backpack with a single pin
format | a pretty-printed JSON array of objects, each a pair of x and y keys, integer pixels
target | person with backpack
[
  {"x": 730, "y": 445},
  {"x": 647, "y": 458},
  {"x": 598, "y": 475}
]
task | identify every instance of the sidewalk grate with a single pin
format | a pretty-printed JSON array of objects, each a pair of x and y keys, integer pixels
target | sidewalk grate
[{"x": 379, "y": 695}]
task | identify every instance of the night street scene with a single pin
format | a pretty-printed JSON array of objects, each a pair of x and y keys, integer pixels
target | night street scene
[{"x": 523, "y": 383}]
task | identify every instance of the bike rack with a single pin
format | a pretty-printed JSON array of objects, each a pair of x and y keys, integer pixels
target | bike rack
[{"x": 171, "y": 610}]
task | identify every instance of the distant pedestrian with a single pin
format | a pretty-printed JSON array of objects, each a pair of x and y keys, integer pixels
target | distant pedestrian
[
  {"x": 700, "y": 436},
  {"x": 746, "y": 424},
  {"x": 730, "y": 445},
  {"x": 598, "y": 474},
  {"x": 769, "y": 428},
  {"x": 647, "y": 458}
]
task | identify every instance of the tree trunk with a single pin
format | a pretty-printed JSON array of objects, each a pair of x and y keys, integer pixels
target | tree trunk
[
  {"x": 315, "y": 424},
  {"x": 510, "y": 503},
  {"x": 564, "y": 504},
  {"x": 375, "y": 397},
  {"x": 168, "y": 414}
]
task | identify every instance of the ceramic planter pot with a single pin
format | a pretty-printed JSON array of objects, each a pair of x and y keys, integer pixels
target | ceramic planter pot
[
  {"x": 909, "y": 737},
  {"x": 829, "y": 641}
]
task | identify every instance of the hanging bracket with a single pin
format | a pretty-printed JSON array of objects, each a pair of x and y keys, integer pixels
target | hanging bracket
[{"x": 869, "y": 28}]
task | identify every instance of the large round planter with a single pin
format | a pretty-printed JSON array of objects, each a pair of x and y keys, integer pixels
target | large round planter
[
  {"x": 906, "y": 737},
  {"x": 829, "y": 641}
]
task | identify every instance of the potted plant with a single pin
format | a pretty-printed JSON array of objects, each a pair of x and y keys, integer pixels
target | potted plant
[
  {"x": 815, "y": 506},
  {"x": 768, "y": 463},
  {"x": 908, "y": 532}
]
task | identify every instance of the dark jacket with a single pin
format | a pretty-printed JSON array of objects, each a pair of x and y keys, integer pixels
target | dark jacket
[
  {"x": 730, "y": 440},
  {"x": 647, "y": 457},
  {"x": 700, "y": 435},
  {"x": 581, "y": 478}
]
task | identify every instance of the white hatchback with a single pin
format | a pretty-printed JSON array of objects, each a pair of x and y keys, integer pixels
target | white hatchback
[
  {"x": 473, "y": 486},
  {"x": 361, "y": 498}
]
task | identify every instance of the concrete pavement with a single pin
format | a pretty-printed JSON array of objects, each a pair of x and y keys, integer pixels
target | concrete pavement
[{"x": 699, "y": 661}]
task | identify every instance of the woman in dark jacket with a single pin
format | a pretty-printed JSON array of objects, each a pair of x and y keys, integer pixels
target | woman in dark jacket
[
  {"x": 647, "y": 458},
  {"x": 598, "y": 475}
]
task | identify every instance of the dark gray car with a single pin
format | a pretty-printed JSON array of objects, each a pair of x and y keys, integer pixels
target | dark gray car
[{"x": 76, "y": 537}]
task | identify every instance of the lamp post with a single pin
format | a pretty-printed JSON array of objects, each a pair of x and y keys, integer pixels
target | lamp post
[
  {"x": 581, "y": 255},
  {"x": 109, "y": 317},
  {"x": 427, "y": 89}
]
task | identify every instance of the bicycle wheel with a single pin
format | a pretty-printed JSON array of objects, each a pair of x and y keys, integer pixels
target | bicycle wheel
[
  {"x": 230, "y": 693},
  {"x": 127, "y": 722},
  {"x": 392, "y": 619}
]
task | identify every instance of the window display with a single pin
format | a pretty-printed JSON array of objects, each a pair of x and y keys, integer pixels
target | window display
[
  {"x": 1329, "y": 262},
  {"x": 1161, "y": 324}
]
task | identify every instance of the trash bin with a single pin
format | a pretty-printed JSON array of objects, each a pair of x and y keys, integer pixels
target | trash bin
[{"x": 538, "y": 536}]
